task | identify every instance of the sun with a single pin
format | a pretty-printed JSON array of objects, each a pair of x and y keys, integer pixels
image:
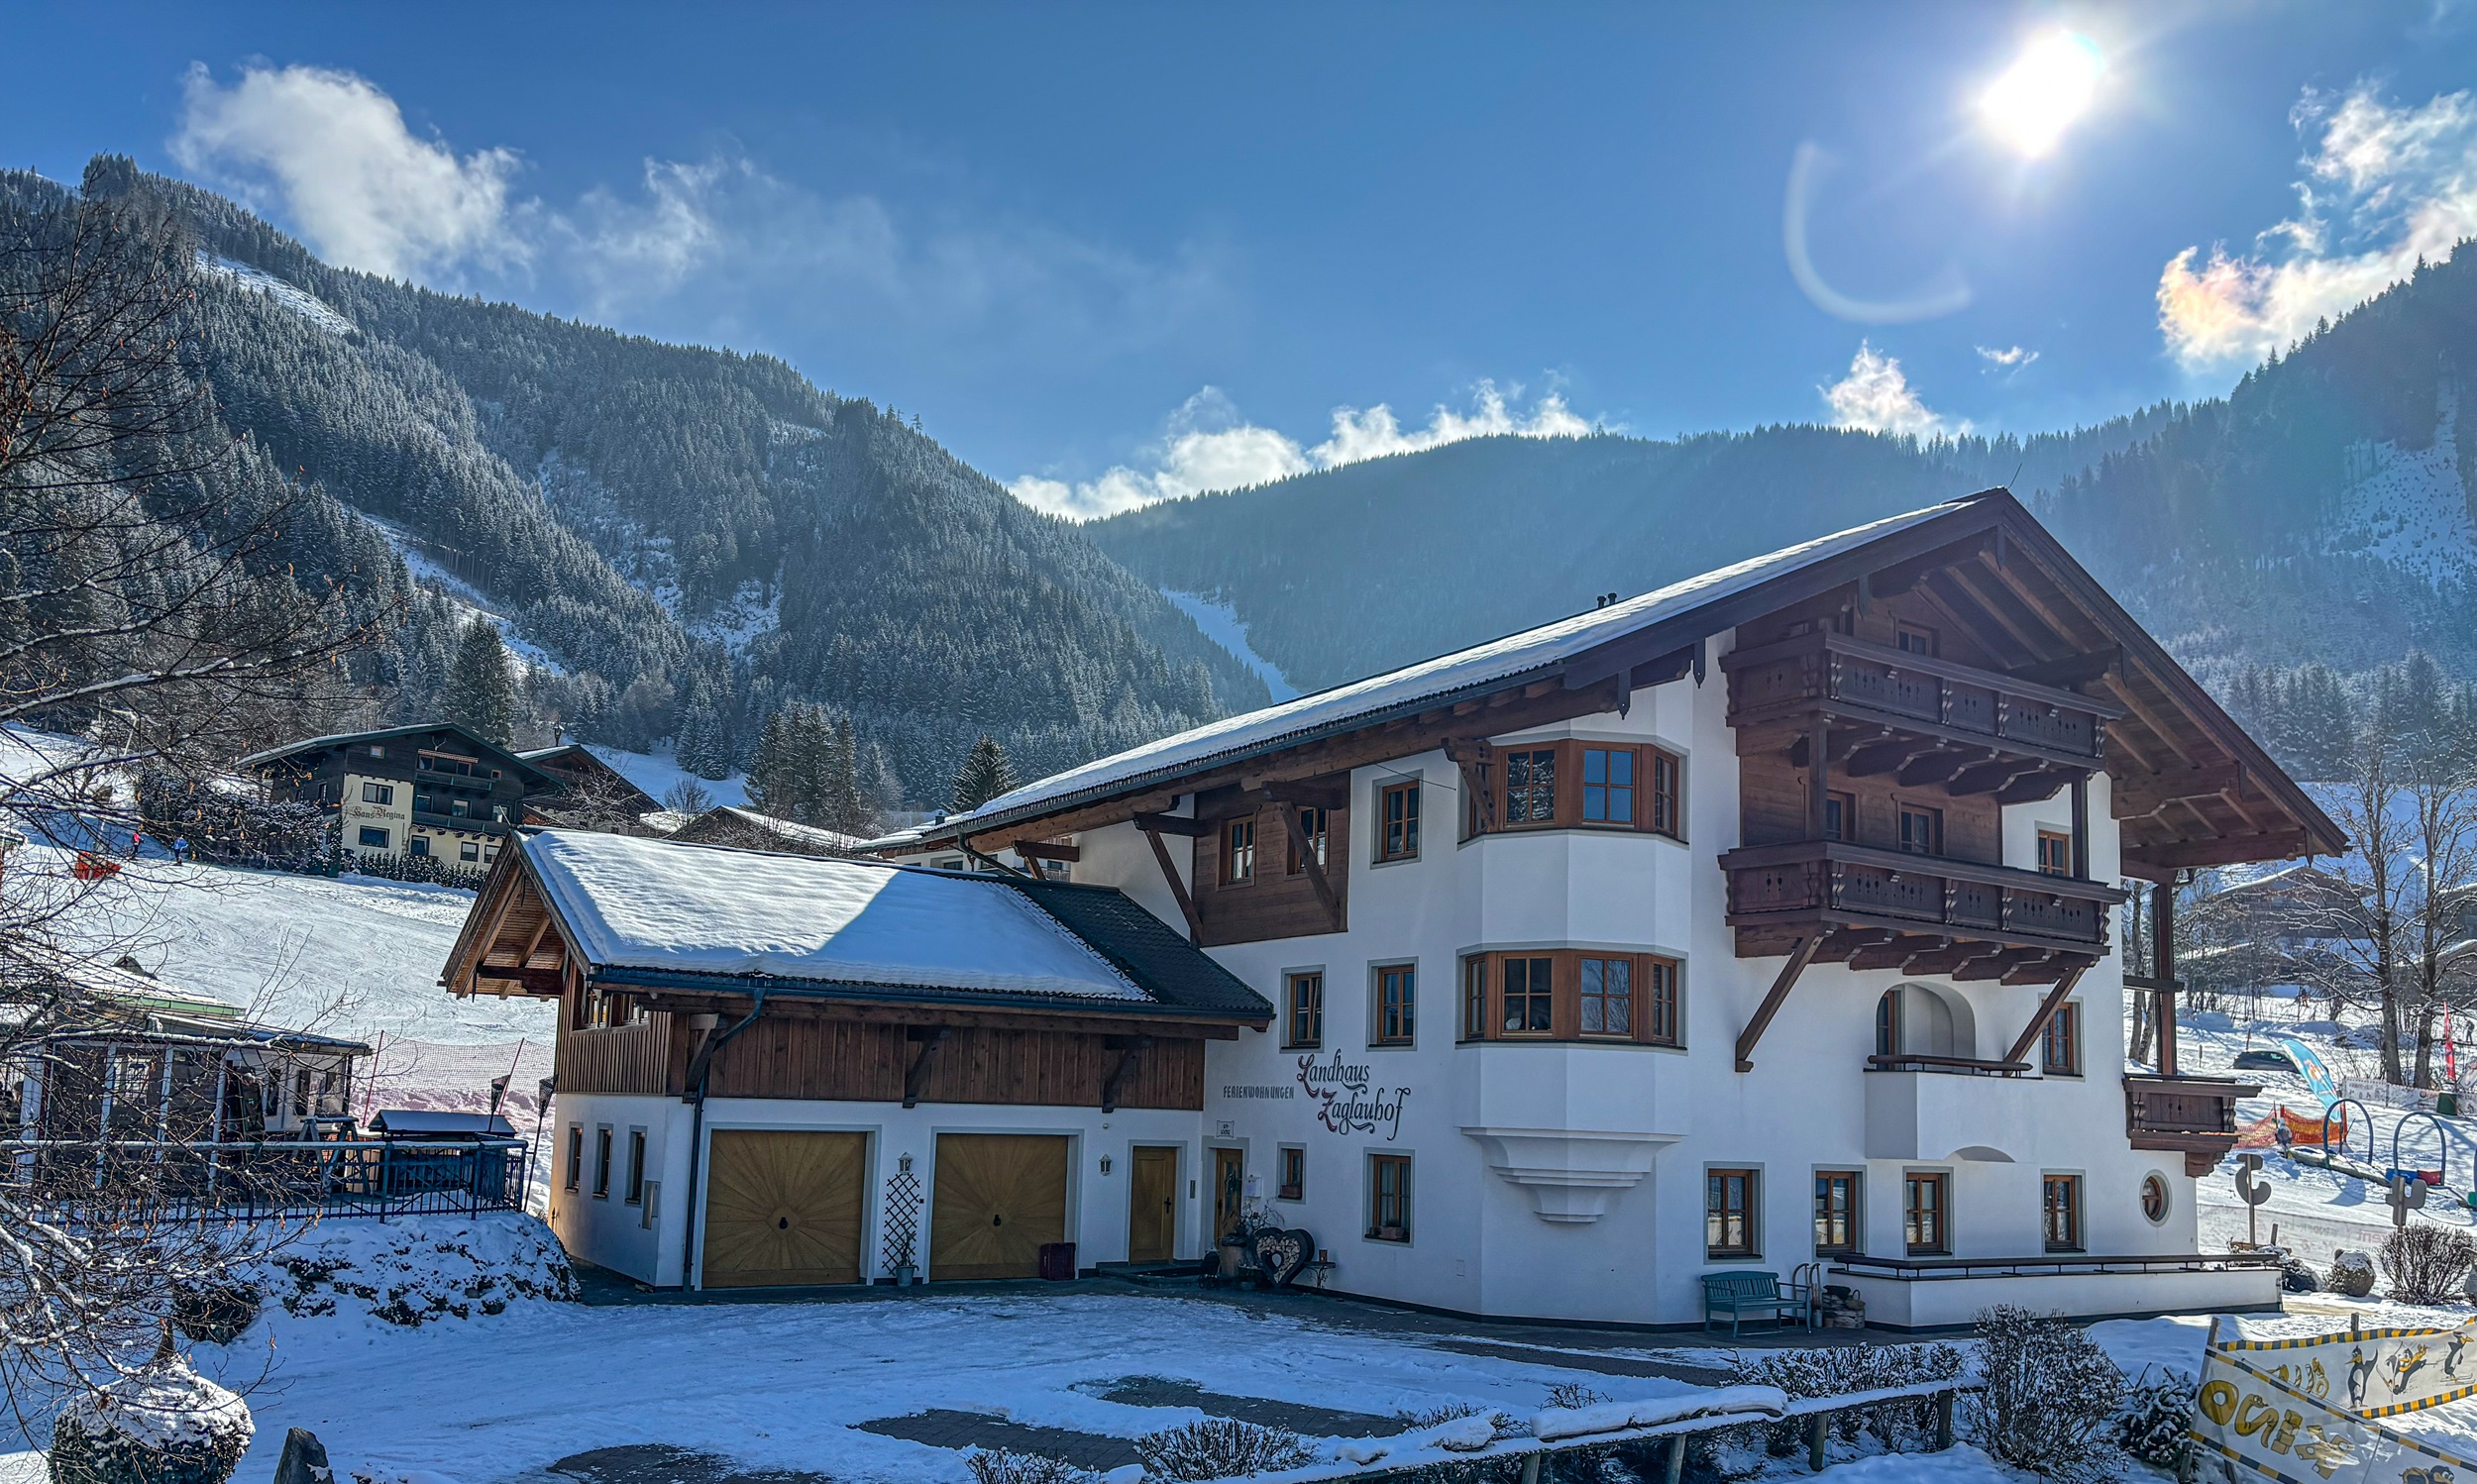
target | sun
[{"x": 2053, "y": 82}]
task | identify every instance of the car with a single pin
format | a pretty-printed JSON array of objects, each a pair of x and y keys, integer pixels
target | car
[{"x": 2266, "y": 1060}]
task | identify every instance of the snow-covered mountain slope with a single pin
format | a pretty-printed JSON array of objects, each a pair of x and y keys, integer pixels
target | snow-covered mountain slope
[
  {"x": 1221, "y": 624},
  {"x": 2409, "y": 507},
  {"x": 257, "y": 280}
]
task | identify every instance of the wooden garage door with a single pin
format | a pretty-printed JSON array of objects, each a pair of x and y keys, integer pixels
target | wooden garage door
[
  {"x": 997, "y": 1198},
  {"x": 783, "y": 1208}
]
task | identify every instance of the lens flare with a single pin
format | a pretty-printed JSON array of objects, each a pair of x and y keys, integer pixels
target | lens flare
[{"x": 2052, "y": 83}]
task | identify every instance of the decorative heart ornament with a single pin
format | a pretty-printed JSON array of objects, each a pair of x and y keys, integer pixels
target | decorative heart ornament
[{"x": 1280, "y": 1255}]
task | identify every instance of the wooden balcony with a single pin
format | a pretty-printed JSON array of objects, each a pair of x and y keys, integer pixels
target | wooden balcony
[
  {"x": 1925, "y": 719},
  {"x": 2191, "y": 1116},
  {"x": 1886, "y": 908}
]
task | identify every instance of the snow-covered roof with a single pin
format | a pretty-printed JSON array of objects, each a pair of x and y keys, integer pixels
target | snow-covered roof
[
  {"x": 424, "y": 1122},
  {"x": 667, "y": 905},
  {"x": 389, "y": 733},
  {"x": 1484, "y": 665}
]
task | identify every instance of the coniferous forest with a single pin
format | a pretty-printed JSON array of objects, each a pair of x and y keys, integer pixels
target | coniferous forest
[{"x": 682, "y": 547}]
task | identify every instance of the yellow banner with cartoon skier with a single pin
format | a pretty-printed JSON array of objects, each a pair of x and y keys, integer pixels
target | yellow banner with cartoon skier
[
  {"x": 2249, "y": 1427},
  {"x": 2370, "y": 1372}
]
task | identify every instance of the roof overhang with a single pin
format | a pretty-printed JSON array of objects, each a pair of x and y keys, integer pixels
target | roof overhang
[{"x": 2219, "y": 796}]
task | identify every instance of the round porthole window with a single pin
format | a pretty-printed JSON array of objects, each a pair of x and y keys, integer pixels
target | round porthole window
[{"x": 2154, "y": 1198}]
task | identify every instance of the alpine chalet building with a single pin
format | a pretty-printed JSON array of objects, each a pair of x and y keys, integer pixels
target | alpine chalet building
[{"x": 1761, "y": 921}]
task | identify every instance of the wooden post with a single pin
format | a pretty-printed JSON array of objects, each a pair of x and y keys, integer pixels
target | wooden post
[
  {"x": 1818, "y": 1428},
  {"x": 2046, "y": 1012},
  {"x": 1178, "y": 889},
  {"x": 1531, "y": 1468},
  {"x": 1943, "y": 1420},
  {"x": 2081, "y": 826},
  {"x": 2163, "y": 970},
  {"x": 1818, "y": 777},
  {"x": 1676, "y": 1459}
]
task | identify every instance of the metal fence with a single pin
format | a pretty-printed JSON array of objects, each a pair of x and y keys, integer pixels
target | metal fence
[{"x": 262, "y": 1179}]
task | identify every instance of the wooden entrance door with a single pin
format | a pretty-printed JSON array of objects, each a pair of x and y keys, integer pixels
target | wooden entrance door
[
  {"x": 783, "y": 1208},
  {"x": 994, "y": 1200},
  {"x": 1230, "y": 1190},
  {"x": 1153, "y": 1206}
]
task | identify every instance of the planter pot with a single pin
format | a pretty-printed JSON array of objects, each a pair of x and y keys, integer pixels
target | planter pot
[{"x": 904, "y": 1274}]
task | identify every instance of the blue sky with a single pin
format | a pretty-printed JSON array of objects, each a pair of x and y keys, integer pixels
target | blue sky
[{"x": 1110, "y": 252}]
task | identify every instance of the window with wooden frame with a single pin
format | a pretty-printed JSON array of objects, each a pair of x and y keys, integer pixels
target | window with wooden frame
[
  {"x": 1398, "y": 806},
  {"x": 1292, "y": 1184},
  {"x": 1836, "y": 1212},
  {"x": 1606, "y": 987},
  {"x": 1397, "y": 1005},
  {"x": 2055, "y": 851},
  {"x": 1729, "y": 1214},
  {"x": 378, "y": 794},
  {"x": 1239, "y": 851},
  {"x": 2060, "y": 1044},
  {"x": 1312, "y": 821},
  {"x": 576, "y": 1155},
  {"x": 1840, "y": 816},
  {"x": 1668, "y": 813},
  {"x": 1389, "y": 1198},
  {"x": 1574, "y": 995},
  {"x": 1918, "y": 639},
  {"x": 601, "y": 1163},
  {"x": 1529, "y": 999},
  {"x": 1608, "y": 786},
  {"x": 1925, "y": 1212},
  {"x": 1530, "y": 786},
  {"x": 1303, "y": 1019},
  {"x": 1888, "y": 1024},
  {"x": 1921, "y": 829},
  {"x": 2060, "y": 1196}
]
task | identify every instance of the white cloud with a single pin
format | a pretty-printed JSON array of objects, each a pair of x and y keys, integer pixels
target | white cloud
[
  {"x": 1877, "y": 397},
  {"x": 2010, "y": 358},
  {"x": 364, "y": 191},
  {"x": 2384, "y": 185},
  {"x": 722, "y": 247},
  {"x": 1207, "y": 446}
]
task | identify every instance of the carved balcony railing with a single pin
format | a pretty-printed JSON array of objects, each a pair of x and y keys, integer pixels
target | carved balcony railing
[
  {"x": 2191, "y": 1116},
  {"x": 1961, "y": 705},
  {"x": 1804, "y": 886}
]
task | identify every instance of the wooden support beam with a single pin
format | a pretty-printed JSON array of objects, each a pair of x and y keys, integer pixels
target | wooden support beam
[
  {"x": 916, "y": 1077},
  {"x": 2073, "y": 628},
  {"x": 2133, "y": 795},
  {"x": 1178, "y": 889},
  {"x": 1997, "y": 964},
  {"x": 2081, "y": 827},
  {"x": 1799, "y": 957},
  {"x": 1942, "y": 958},
  {"x": 2031, "y": 788},
  {"x": 1306, "y": 848},
  {"x": 1042, "y": 850},
  {"x": 1888, "y": 757},
  {"x": 2120, "y": 683},
  {"x": 1965, "y": 616},
  {"x": 2024, "y": 627},
  {"x": 1818, "y": 779},
  {"x": 1469, "y": 756},
  {"x": 1993, "y": 776},
  {"x": 1173, "y": 824},
  {"x": 1893, "y": 954},
  {"x": 1947, "y": 769}
]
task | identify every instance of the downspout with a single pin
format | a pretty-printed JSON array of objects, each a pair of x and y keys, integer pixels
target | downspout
[{"x": 700, "y": 1071}]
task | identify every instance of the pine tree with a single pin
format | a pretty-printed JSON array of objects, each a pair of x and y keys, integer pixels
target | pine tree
[
  {"x": 986, "y": 772},
  {"x": 480, "y": 692},
  {"x": 773, "y": 777},
  {"x": 840, "y": 800}
]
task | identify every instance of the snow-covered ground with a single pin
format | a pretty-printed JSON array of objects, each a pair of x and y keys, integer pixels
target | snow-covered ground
[
  {"x": 2315, "y": 1210},
  {"x": 657, "y": 771},
  {"x": 1220, "y": 623},
  {"x": 258, "y": 281}
]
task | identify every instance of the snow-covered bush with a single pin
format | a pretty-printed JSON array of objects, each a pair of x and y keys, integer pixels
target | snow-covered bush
[
  {"x": 998, "y": 1466},
  {"x": 1574, "y": 1393},
  {"x": 1219, "y": 1448},
  {"x": 163, "y": 1424},
  {"x": 2428, "y": 1263},
  {"x": 2050, "y": 1392},
  {"x": 410, "y": 1270},
  {"x": 2157, "y": 1413},
  {"x": 215, "y": 1313},
  {"x": 2297, "y": 1276},
  {"x": 1839, "y": 1370},
  {"x": 2351, "y": 1273}
]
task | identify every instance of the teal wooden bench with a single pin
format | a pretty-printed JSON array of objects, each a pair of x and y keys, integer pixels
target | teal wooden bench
[{"x": 1736, "y": 1295}]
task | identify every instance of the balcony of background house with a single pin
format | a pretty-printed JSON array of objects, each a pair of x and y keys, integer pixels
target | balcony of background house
[{"x": 1926, "y": 1093}]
